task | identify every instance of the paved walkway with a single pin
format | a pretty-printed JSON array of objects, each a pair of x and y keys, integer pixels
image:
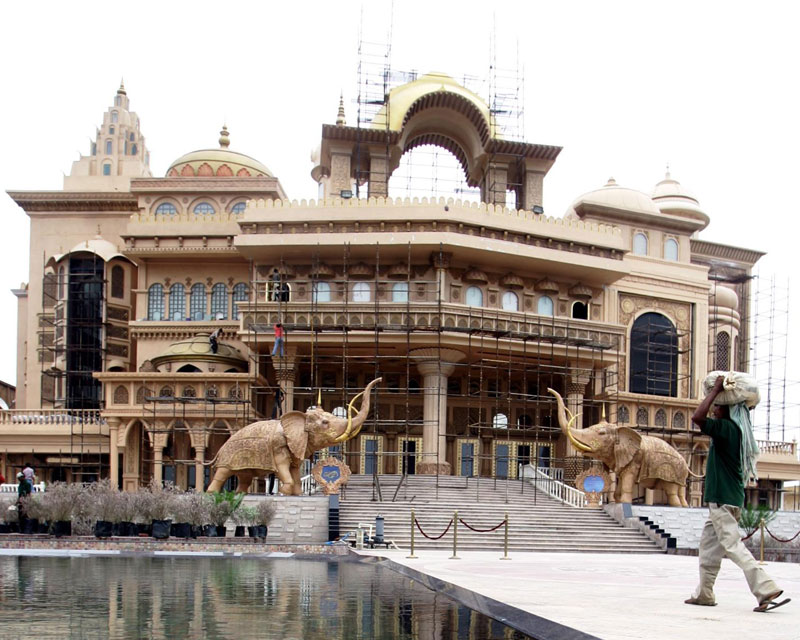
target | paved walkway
[{"x": 619, "y": 596}]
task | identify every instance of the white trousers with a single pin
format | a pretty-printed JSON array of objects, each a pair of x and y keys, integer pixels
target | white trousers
[{"x": 721, "y": 538}]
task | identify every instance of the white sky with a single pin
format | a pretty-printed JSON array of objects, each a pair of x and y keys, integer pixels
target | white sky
[{"x": 625, "y": 87}]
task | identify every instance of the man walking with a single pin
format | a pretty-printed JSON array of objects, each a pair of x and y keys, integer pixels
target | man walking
[{"x": 731, "y": 462}]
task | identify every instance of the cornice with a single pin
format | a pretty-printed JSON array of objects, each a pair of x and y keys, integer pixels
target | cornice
[
  {"x": 74, "y": 201},
  {"x": 710, "y": 250}
]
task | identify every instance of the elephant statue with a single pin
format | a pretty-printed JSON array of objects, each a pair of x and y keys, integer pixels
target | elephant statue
[
  {"x": 632, "y": 456},
  {"x": 281, "y": 445}
]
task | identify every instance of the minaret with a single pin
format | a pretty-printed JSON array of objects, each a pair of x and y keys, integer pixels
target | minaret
[{"x": 117, "y": 154}]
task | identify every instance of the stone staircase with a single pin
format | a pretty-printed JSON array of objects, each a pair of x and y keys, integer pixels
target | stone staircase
[{"x": 537, "y": 522}]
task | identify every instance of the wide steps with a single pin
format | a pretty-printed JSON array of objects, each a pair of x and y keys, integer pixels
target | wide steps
[{"x": 536, "y": 521}]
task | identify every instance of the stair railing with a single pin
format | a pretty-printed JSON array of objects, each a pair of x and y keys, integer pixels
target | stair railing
[{"x": 556, "y": 489}]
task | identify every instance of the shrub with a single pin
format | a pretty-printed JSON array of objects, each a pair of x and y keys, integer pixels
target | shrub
[
  {"x": 244, "y": 516},
  {"x": 750, "y": 517},
  {"x": 265, "y": 511},
  {"x": 105, "y": 501},
  {"x": 8, "y": 509},
  {"x": 226, "y": 504},
  {"x": 191, "y": 507},
  {"x": 157, "y": 500},
  {"x": 60, "y": 501},
  {"x": 128, "y": 506}
]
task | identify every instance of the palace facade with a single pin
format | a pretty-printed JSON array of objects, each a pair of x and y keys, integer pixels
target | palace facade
[{"x": 468, "y": 311}]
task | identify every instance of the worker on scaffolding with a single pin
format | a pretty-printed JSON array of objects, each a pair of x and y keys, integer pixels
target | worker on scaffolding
[
  {"x": 279, "y": 336},
  {"x": 214, "y": 339}
]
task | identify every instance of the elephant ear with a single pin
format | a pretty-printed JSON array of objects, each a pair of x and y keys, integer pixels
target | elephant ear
[
  {"x": 294, "y": 428},
  {"x": 627, "y": 446}
]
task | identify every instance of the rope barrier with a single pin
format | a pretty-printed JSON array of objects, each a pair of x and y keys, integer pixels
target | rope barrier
[
  {"x": 444, "y": 533},
  {"x": 471, "y": 528},
  {"x": 750, "y": 535},
  {"x": 781, "y": 539}
]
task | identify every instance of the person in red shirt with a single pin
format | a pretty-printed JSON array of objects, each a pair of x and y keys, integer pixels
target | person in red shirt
[{"x": 279, "y": 335}]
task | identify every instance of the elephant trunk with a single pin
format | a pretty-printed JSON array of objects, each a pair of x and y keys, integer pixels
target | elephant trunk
[
  {"x": 354, "y": 423},
  {"x": 565, "y": 426}
]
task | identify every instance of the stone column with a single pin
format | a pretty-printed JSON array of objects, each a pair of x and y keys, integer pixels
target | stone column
[
  {"x": 441, "y": 262},
  {"x": 113, "y": 450},
  {"x": 378, "y": 175},
  {"x": 576, "y": 387},
  {"x": 435, "y": 365},
  {"x": 130, "y": 473},
  {"x": 199, "y": 468},
  {"x": 159, "y": 442},
  {"x": 341, "y": 174},
  {"x": 495, "y": 182},
  {"x": 284, "y": 372},
  {"x": 532, "y": 190}
]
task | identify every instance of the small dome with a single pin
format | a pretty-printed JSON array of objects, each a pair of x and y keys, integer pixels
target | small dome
[
  {"x": 613, "y": 196},
  {"x": 673, "y": 199},
  {"x": 720, "y": 296},
  {"x": 198, "y": 348},
  {"x": 220, "y": 163}
]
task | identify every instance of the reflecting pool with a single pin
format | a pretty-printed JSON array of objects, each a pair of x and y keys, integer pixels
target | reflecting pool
[{"x": 176, "y": 597}]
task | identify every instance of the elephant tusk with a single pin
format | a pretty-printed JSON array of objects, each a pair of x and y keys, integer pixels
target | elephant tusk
[
  {"x": 575, "y": 443},
  {"x": 347, "y": 432}
]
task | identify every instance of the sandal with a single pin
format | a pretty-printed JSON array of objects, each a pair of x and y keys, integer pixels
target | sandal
[
  {"x": 770, "y": 602},
  {"x": 694, "y": 600}
]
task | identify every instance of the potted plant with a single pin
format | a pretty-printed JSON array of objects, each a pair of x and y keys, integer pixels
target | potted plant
[
  {"x": 159, "y": 505},
  {"x": 264, "y": 513},
  {"x": 181, "y": 516},
  {"x": 196, "y": 507},
  {"x": 29, "y": 513},
  {"x": 225, "y": 505},
  {"x": 104, "y": 500},
  {"x": 58, "y": 505},
  {"x": 9, "y": 514},
  {"x": 128, "y": 508},
  {"x": 242, "y": 517}
]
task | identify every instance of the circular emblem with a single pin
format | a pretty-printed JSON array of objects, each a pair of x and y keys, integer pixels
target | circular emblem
[{"x": 627, "y": 305}]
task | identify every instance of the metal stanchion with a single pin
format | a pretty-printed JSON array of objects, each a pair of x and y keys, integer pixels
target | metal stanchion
[
  {"x": 412, "y": 556},
  {"x": 455, "y": 536},
  {"x": 505, "y": 541},
  {"x": 761, "y": 561}
]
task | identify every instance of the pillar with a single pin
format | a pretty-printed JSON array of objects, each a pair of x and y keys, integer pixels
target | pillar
[
  {"x": 378, "y": 175},
  {"x": 576, "y": 387},
  {"x": 495, "y": 182},
  {"x": 113, "y": 450},
  {"x": 130, "y": 472},
  {"x": 284, "y": 372},
  {"x": 435, "y": 365},
  {"x": 159, "y": 442},
  {"x": 532, "y": 190},
  {"x": 441, "y": 262},
  {"x": 199, "y": 468}
]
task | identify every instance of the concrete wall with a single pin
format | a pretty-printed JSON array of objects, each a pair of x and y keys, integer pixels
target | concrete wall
[{"x": 299, "y": 519}]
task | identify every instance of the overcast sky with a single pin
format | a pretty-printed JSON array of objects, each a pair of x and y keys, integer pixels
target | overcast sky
[{"x": 709, "y": 88}]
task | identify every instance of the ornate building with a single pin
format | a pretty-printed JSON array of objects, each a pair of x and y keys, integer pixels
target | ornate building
[{"x": 469, "y": 311}]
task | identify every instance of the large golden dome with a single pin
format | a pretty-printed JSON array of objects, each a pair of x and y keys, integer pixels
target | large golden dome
[
  {"x": 198, "y": 349},
  {"x": 220, "y": 163}
]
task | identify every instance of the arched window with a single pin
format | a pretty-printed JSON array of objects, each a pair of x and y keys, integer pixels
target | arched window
[
  {"x": 400, "y": 292},
  {"x": 203, "y": 208},
  {"x": 510, "y": 301},
  {"x": 114, "y": 116},
  {"x": 117, "y": 282},
  {"x": 661, "y": 418},
  {"x": 188, "y": 368},
  {"x": 524, "y": 421},
  {"x": 320, "y": 292},
  {"x": 121, "y": 395},
  {"x": 340, "y": 412},
  {"x": 62, "y": 283},
  {"x": 623, "y": 416},
  {"x": 132, "y": 137},
  {"x": 641, "y": 417},
  {"x": 670, "y": 249},
  {"x": 580, "y": 311},
  {"x": 111, "y": 129},
  {"x": 678, "y": 421},
  {"x": 239, "y": 207},
  {"x": 108, "y": 147},
  {"x": 134, "y": 149},
  {"x": 239, "y": 295},
  {"x": 189, "y": 392},
  {"x": 106, "y": 169},
  {"x": 126, "y": 148},
  {"x": 166, "y": 209},
  {"x": 474, "y": 297},
  {"x": 197, "y": 302},
  {"x": 155, "y": 302},
  {"x": 500, "y": 421},
  {"x": 177, "y": 302},
  {"x": 219, "y": 302},
  {"x": 361, "y": 292},
  {"x": 654, "y": 356},
  {"x": 640, "y": 244},
  {"x": 545, "y": 306},
  {"x": 722, "y": 357},
  {"x": 166, "y": 392}
]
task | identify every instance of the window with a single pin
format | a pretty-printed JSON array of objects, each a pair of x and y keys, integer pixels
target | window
[
  {"x": 239, "y": 207},
  {"x": 219, "y": 302},
  {"x": 510, "y": 301},
  {"x": 545, "y": 306},
  {"x": 204, "y": 208},
  {"x": 580, "y": 310},
  {"x": 678, "y": 421},
  {"x": 155, "y": 302},
  {"x": 474, "y": 297},
  {"x": 197, "y": 302},
  {"x": 641, "y": 417},
  {"x": 106, "y": 169},
  {"x": 671, "y": 249},
  {"x": 239, "y": 295},
  {"x": 126, "y": 148},
  {"x": 361, "y": 292},
  {"x": 62, "y": 283},
  {"x": 400, "y": 292},
  {"x": 108, "y": 147},
  {"x": 623, "y": 416},
  {"x": 340, "y": 412},
  {"x": 166, "y": 209},
  {"x": 111, "y": 129},
  {"x": 654, "y": 356},
  {"x": 132, "y": 137},
  {"x": 722, "y": 357},
  {"x": 661, "y": 418},
  {"x": 320, "y": 292},
  {"x": 117, "y": 282},
  {"x": 177, "y": 302},
  {"x": 114, "y": 114},
  {"x": 500, "y": 421},
  {"x": 640, "y": 244},
  {"x": 134, "y": 149}
]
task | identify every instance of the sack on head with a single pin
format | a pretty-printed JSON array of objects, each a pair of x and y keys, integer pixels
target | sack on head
[{"x": 737, "y": 387}]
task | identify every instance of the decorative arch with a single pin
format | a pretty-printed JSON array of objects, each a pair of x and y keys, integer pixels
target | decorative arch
[{"x": 654, "y": 355}]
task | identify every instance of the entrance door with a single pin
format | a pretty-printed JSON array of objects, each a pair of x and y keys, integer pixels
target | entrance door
[
  {"x": 409, "y": 457},
  {"x": 370, "y": 456},
  {"x": 467, "y": 459},
  {"x": 501, "y": 460},
  {"x": 544, "y": 456}
]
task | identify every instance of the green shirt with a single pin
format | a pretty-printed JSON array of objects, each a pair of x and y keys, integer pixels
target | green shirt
[{"x": 724, "y": 469}]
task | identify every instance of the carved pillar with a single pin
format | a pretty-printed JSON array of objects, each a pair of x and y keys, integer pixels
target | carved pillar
[
  {"x": 159, "y": 442},
  {"x": 435, "y": 365},
  {"x": 532, "y": 190},
  {"x": 130, "y": 472},
  {"x": 441, "y": 262},
  {"x": 495, "y": 182},
  {"x": 378, "y": 175},
  {"x": 340, "y": 179},
  {"x": 199, "y": 468},
  {"x": 113, "y": 450},
  {"x": 284, "y": 372},
  {"x": 576, "y": 387}
]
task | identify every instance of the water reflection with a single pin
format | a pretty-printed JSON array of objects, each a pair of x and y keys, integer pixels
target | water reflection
[{"x": 291, "y": 599}]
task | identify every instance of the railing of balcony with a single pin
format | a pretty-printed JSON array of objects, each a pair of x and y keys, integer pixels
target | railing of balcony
[
  {"x": 51, "y": 417},
  {"x": 781, "y": 448}
]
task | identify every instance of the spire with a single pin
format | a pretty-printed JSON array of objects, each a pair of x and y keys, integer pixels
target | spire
[
  {"x": 340, "y": 121},
  {"x": 121, "y": 90},
  {"x": 224, "y": 139}
]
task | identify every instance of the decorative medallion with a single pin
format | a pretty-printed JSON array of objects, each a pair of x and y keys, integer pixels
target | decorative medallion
[
  {"x": 594, "y": 482},
  {"x": 331, "y": 474}
]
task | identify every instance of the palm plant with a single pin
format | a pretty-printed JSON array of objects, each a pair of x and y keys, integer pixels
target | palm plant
[{"x": 750, "y": 517}]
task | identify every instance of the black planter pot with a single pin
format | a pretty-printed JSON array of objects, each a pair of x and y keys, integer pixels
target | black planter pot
[
  {"x": 142, "y": 528},
  {"x": 160, "y": 529},
  {"x": 210, "y": 531},
  {"x": 221, "y": 531},
  {"x": 103, "y": 529},
  {"x": 44, "y": 527},
  {"x": 258, "y": 531},
  {"x": 62, "y": 528},
  {"x": 126, "y": 529},
  {"x": 182, "y": 530},
  {"x": 238, "y": 532},
  {"x": 29, "y": 526},
  {"x": 13, "y": 527},
  {"x": 5, "y": 528},
  {"x": 197, "y": 531}
]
